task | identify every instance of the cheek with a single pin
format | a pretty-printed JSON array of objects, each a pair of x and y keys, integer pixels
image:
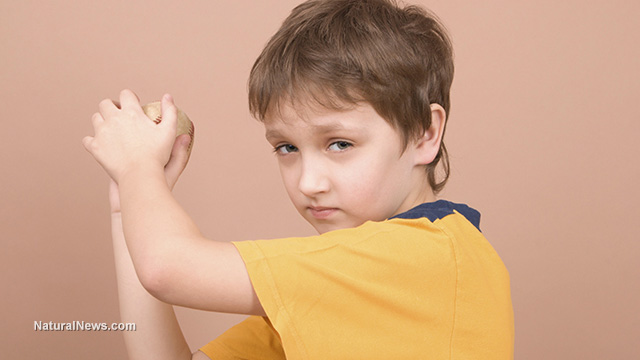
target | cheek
[
  {"x": 368, "y": 180},
  {"x": 378, "y": 182},
  {"x": 289, "y": 180}
]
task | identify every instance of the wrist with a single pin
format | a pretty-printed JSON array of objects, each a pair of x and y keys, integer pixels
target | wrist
[
  {"x": 141, "y": 187},
  {"x": 146, "y": 172}
]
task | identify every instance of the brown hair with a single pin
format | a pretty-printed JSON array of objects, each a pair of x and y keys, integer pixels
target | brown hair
[{"x": 342, "y": 52}]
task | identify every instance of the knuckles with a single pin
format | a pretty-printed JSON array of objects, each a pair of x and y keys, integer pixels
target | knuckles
[
  {"x": 127, "y": 93},
  {"x": 96, "y": 118},
  {"x": 105, "y": 103},
  {"x": 90, "y": 145}
]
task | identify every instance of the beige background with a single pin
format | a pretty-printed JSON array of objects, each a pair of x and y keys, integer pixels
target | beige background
[{"x": 543, "y": 135}]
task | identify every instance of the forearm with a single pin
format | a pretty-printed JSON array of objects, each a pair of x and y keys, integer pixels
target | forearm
[
  {"x": 173, "y": 261},
  {"x": 158, "y": 334},
  {"x": 160, "y": 235}
]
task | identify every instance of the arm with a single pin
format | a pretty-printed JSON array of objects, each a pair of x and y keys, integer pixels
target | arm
[
  {"x": 158, "y": 334},
  {"x": 173, "y": 261}
]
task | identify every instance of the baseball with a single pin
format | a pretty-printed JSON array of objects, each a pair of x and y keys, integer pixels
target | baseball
[{"x": 154, "y": 111}]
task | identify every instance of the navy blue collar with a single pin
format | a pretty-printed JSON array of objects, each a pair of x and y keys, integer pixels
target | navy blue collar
[{"x": 439, "y": 209}]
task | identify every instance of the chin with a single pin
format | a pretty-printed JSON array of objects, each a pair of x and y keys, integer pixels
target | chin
[{"x": 326, "y": 227}]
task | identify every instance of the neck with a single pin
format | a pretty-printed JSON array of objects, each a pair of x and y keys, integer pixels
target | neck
[{"x": 422, "y": 193}]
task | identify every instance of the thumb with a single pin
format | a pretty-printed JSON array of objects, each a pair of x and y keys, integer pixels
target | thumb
[
  {"x": 169, "y": 112},
  {"x": 178, "y": 159}
]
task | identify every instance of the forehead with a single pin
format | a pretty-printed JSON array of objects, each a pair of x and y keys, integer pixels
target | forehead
[{"x": 318, "y": 120}]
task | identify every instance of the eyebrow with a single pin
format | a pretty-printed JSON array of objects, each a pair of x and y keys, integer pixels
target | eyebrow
[
  {"x": 318, "y": 129},
  {"x": 272, "y": 134}
]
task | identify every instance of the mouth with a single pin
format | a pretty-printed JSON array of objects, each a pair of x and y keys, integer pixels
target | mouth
[{"x": 321, "y": 213}]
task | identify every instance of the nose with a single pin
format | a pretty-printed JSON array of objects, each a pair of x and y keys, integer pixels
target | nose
[{"x": 314, "y": 177}]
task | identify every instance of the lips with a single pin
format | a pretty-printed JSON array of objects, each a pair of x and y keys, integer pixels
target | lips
[{"x": 321, "y": 213}]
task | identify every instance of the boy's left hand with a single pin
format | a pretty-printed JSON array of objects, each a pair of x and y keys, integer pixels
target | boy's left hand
[{"x": 126, "y": 139}]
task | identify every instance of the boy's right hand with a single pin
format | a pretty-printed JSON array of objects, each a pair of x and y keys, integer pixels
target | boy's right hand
[{"x": 177, "y": 162}]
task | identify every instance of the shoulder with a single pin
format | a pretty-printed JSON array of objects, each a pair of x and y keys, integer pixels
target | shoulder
[{"x": 370, "y": 230}]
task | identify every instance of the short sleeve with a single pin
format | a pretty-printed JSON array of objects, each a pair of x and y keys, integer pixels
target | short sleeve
[
  {"x": 365, "y": 280},
  {"x": 415, "y": 288},
  {"x": 253, "y": 338}
]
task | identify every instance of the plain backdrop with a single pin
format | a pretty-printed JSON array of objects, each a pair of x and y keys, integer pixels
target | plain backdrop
[{"x": 543, "y": 135}]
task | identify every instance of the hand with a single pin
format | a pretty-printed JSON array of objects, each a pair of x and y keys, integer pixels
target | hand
[
  {"x": 177, "y": 162},
  {"x": 126, "y": 139}
]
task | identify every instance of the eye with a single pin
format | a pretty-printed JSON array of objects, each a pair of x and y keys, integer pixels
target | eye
[
  {"x": 285, "y": 149},
  {"x": 340, "y": 146}
]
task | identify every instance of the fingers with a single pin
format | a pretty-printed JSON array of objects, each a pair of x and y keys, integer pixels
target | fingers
[
  {"x": 169, "y": 112},
  {"x": 128, "y": 107},
  {"x": 97, "y": 120},
  {"x": 178, "y": 160},
  {"x": 129, "y": 99},
  {"x": 107, "y": 108},
  {"x": 87, "y": 142}
]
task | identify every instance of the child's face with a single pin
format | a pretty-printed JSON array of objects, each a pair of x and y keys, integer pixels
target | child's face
[{"x": 342, "y": 168}]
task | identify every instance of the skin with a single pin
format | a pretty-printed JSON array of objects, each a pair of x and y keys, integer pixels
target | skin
[
  {"x": 335, "y": 166},
  {"x": 159, "y": 335}
]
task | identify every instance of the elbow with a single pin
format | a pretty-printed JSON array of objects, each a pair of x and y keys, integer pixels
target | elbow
[{"x": 156, "y": 277}]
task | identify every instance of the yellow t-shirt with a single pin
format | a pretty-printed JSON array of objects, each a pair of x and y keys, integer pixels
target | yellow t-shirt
[{"x": 425, "y": 284}]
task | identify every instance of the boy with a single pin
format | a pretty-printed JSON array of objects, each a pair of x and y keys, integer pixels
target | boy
[{"x": 354, "y": 97}]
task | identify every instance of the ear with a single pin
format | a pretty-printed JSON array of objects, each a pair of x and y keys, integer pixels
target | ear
[{"x": 428, "y": 145}]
